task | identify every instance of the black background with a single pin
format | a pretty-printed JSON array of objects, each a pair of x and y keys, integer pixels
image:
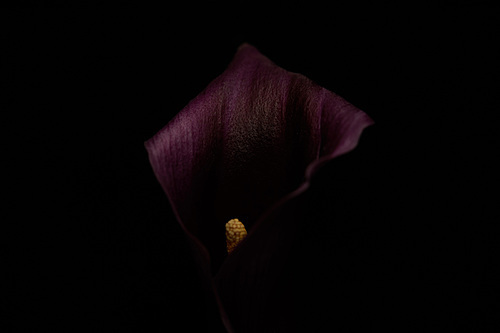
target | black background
[{"x": 402, "y": 235}]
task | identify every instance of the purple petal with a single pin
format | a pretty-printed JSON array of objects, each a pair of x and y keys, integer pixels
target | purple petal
[{"x": 245, "y": 148}]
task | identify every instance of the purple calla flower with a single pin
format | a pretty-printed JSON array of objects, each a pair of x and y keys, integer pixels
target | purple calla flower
[{"x": 246, "y": 148}]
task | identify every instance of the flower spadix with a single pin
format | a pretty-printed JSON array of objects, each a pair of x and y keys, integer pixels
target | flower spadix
[{"x": 235, "y": 233}]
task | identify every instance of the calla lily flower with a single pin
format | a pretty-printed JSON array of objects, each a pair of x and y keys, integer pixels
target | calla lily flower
[{"x": 246, "y": 148}]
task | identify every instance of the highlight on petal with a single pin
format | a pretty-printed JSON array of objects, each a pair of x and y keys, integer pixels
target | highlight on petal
[{"x": 248, "y": 146}]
